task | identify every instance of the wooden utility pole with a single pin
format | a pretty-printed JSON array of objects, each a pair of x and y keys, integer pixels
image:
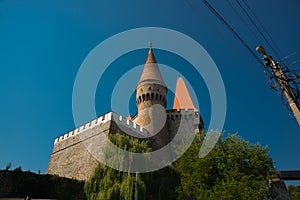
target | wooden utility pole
[{"x": 282, "y": 82}]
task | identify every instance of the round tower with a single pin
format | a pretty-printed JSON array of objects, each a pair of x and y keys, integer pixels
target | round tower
[{"x": 151, "y": 92}]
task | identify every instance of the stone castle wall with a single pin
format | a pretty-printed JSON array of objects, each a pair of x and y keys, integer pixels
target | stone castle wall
[
  {"x": 176, "y": 118},
  {"x": 71, "y": 155}
]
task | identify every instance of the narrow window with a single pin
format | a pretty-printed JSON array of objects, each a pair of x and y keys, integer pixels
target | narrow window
[{"x": 143, "y": 97}]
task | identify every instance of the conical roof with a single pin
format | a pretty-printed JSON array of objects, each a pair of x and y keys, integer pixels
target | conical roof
[
  {"x": 182, "y": 98},
  {"x": 151, "y": 73}
]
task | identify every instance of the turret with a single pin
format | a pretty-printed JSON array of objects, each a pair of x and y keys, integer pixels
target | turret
[
  {"x": 151, "y": 92},
  {"x": 183, "y": 101}
]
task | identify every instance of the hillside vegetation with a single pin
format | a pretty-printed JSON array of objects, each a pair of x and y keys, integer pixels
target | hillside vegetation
[{"x": 19, "y": 184}]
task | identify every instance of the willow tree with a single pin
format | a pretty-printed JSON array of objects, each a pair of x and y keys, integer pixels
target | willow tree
[{"x": 108, "y": 183}]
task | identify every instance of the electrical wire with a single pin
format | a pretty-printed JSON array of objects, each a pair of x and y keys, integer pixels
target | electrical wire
[
  {"x": 204, "y": 18},
  {"x": 257, "y": 28},
  {"x": 285, "y": 87},
  {"x": 286, "y": 57},
  {"x": 243, "y": 20},
  {"x": 261, "y": 25},
  {"x": 227, "y": 25}
]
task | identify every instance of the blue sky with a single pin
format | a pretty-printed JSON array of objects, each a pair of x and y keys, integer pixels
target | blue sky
[{"x": 43, "y": 43}]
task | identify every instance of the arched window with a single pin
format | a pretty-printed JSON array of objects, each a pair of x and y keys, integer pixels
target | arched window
[
  {"x": 152, "y": 95},
  {"x": 156, "y": 96},
  {"x": 140, "y": 99},
  {"x": 147, "y": 97},
  {"x": 143, "y": 97},
  {"x": 160, "y": 97}
]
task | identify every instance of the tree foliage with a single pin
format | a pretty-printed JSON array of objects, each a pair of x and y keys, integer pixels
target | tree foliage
[
  {"x": 294, "y": 192},
  {"x": 8, "y": 166},
  {"x": 234, "y": 169},
  {"x": 108, "y": 183},
  {"x": 16, "y": 183}
]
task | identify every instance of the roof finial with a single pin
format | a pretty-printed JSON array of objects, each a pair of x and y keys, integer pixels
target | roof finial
[{"x": 150, "y": 43}]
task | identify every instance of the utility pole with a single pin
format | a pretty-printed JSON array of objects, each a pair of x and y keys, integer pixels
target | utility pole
[{"x": 282, "y": 82}]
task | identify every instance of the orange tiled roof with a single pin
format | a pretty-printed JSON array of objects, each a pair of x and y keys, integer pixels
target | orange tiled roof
[{"x": 182, "y": 98}]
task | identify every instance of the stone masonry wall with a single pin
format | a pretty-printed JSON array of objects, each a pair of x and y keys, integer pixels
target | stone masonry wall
[
  {"x": 183, "y": 118},
  {"x": 75, "y": 154},
  {"x": 71, "y": 158}
]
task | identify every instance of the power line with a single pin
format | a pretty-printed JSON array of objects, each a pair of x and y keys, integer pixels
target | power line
[
  {"x": 281, "y": 77},
  {"x": 257, "y": 28},
  {"x": 204, "y": 18},
  {"x": 261, "y": 24},
  {"x": 222, "y": 20},
  {"x": 243, "y": 20},
  {"x": 291, "y": 54}
]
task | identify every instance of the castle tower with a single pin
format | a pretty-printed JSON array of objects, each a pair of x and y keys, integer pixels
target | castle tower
[
  {"x": 183, "y": 100},
  {"x": 151, "y": 98}
]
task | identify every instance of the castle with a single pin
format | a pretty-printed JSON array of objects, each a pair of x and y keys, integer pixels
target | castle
[{"x": 70, "y": 157}]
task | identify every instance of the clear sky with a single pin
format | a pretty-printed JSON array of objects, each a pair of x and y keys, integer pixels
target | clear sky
[{"x": 43, "y": 43}]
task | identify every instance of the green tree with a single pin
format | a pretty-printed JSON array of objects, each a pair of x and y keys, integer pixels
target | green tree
[
  {"x": 108, "y": 183},
  {"x": 234, "y": 169},
  {"x": 8, "y": 166},
  {"x": 294, "y": 192}
]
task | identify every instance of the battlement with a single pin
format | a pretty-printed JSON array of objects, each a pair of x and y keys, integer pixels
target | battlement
[
  {"x": 111, "y": 116},
  {"x": 100, "y": 120},
  {"x": 131, "y": 127},
  {"x": 178, "y": 114}
]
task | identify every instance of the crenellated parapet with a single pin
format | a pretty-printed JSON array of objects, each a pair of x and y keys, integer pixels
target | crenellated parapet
[
  {"x": 100, "y": 120},
  {"x": 120, "y": 120},
  {"x": 183, "y": 119},
  {"x": 178, "y": 114},
  {"x": 129, "y": 127}
]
